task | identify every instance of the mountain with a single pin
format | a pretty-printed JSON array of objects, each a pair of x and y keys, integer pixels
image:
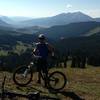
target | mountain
[
  {"x": 60, "y": 19},
  {"x": 57, "y": 32},
  {"x": 6, "y": 19},
  {"x": 2, "y": 23},
  {"x": 97, "y": 19},
  {"x": 14, "y": 21},
  {"x": 14, "y": 18},
  {"x": 20, "y": 18},
  {"x": 70, "y": 30}
]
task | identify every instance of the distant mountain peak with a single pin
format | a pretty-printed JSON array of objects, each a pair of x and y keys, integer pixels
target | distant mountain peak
[
  {"x": 59, "y": 19},
  {"x": 75, "y": 15}
]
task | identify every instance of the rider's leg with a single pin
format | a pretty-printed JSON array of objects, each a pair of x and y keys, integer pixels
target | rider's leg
[
  {"x": 45, "y": 71},
  {"x": 39, "y": 71},
  {"x": 39, "y": 78}
]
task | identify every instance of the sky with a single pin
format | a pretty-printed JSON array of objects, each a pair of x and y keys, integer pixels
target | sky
[{"x": 45, "y": 8}]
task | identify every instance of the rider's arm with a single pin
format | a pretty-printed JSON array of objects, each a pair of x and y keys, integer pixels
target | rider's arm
[
  {"x": 35, "y": 50},
  {"x": 51, "y": 49}
]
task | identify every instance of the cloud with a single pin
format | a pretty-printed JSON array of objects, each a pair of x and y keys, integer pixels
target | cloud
[
  {"x": 93, "y": 12},
  {"x": 69, "y": 6}
]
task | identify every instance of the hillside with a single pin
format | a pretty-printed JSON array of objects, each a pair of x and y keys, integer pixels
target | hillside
[
  {"x": 73, "y": 36},
  {"x": 8, "y": 30},
  {"x": 88, "y": 44},
  {"x": 83, "y": 84},
  {"x": 97, "y": 19},
  {"x": 95, "y": 31},
  {"x": 12, "y": 39},
  {"x": 70, "y": 30},
  {"x": 2, "y": 23},
  {"x": 30, "y": 30}
]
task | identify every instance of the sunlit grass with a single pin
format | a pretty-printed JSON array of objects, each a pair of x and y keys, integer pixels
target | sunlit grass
[{"x": 83, "y": 82}]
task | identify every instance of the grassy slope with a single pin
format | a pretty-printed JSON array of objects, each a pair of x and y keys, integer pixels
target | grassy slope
[
  {"x": 93, "y": 31},
  {"x": 83, "y": 82}
]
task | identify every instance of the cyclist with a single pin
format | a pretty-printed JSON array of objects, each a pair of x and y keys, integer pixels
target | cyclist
[{"x": 42, "y": 49}]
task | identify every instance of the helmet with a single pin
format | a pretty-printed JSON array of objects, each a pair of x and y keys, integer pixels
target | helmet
[{"x": 41, "y": 36}]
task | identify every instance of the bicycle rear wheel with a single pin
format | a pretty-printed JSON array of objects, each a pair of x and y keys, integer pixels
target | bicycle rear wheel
[
  {"x": 22, "y": 75},
  {"x": 57, "y": 80}
]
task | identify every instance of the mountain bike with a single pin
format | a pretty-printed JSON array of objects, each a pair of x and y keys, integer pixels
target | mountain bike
[{"x": 23, "y": 75}]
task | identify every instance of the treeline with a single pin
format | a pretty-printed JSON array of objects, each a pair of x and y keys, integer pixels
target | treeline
[
  {"x": 78, "y": 59},
  {"x": 13, "y": 60}
]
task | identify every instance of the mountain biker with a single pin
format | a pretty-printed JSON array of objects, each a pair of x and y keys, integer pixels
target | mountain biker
[{"x": 42, "y": 49}]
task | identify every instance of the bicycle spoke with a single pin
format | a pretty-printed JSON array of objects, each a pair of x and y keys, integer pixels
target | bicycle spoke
[
  {"x": 22, "y": 76},
  {"x": 57, "y": 80}
]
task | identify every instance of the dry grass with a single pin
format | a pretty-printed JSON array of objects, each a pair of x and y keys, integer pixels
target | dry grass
[{"x": 85, "y": 83}]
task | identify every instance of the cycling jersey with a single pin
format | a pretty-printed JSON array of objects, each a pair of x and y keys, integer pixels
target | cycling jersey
[{"x": 42, "y": 50}]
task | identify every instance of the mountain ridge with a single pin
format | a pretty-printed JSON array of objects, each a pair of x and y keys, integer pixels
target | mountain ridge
[{"x": 59, "y": 19}]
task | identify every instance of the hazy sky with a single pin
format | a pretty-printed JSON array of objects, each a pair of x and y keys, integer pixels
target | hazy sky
[{"x": 44, "y": 8}]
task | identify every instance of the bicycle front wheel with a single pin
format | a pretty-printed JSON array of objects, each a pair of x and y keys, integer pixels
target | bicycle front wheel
[
  {"x": 22, "y": 75},
  {"x": 57, "y": 80}
]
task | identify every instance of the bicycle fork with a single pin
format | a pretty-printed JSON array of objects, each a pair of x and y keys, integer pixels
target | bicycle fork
[{"x": 28, "y": 69}]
